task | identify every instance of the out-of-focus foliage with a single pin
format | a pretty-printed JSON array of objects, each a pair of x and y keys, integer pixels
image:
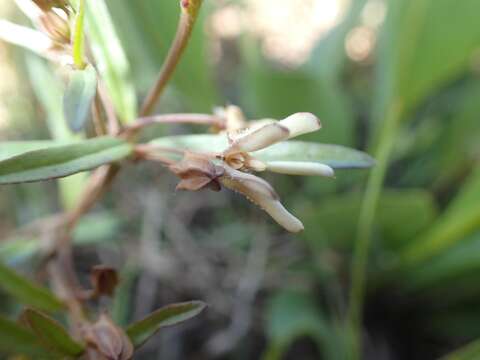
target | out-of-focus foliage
[{"x": 422, "y": 295}]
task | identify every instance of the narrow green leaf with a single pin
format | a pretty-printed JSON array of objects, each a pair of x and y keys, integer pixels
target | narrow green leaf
[
  {"x": 49, "y": 89},
  {"x": 124, "y": 295},
  {"x": 79, "y": 37},
  {"x": 9, "y": 149},
  {"x": 60, "y": 161},
  {"x": 15, "y": 340},
  {"x": 142, "y": 330},
  {"x": 291, "y": 315},
  {"x": 79, "y": 96},
  {"x": 468, "y": 352},
  {"x": 147, "y": 40},
  {"x": 402, "y": 215},
  {"x": 446, "y": 268},
  {"x": 26, "y": 291},
  {"x": 336, "y": 156},
  {"x": 460, "y": 219},
  {"x": 111, "y": 59},
  {"x": 416, "y": 34},
  {"x": 51, "y": 333}
]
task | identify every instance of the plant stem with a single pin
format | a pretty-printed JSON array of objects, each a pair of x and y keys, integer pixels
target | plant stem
[
  {"x": 365, "y": 227},
  {"x": 190, "y": 10},
  {"x": 98, "y": 183},
  {"x": 79, "y": 37},
  {"x": 112, "y": 119}
]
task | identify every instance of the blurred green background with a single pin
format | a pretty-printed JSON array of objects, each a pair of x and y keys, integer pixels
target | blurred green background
[{"x": 357, "y": 64}]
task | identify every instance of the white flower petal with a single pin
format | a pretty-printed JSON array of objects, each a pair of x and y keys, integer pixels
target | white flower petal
[
  {"x": 255, "y": 164},
  {"x": 28, "y": 38},
  {"x": 235, "y": 118},
  {"x": 262, "y": 194},
  {"x": 248, "y": 128},
  {"x": 30, "y": 9},
  {"x": 277, "y": 211},
  {"x": 259, "y": 139},
  {"x": 301, "y": 123},
  {"x": 300, "y": 168},
  {"x": 247, "y": 183}
]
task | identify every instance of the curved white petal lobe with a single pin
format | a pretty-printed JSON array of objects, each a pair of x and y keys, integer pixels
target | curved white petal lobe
[
  {"x": 301, "y": 123},
  {"x": 281, "y": 215},
  {"x": 261, "y": 193},
  {"x": 300, "y": 168},
  {"x": 259, "y": 139}
]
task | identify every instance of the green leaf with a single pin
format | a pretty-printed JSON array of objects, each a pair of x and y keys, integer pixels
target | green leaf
[
  {"x": 292, "y": 315},
  {"x": 60, "y": 161},
  {"x": 459, "y": 220},
  {"x": 10, "y": 149},
  {"x": 15, "y": 340},
  {"x": 142, "y": 330},
  {"x": 447, "y": 268},
  {"x": 124, "y": 295},
  {"x": 147, "y": 40},
  {"x": 79, "y": 96},
  {"x": 272, "y": 94},
  {"x": 111, "y": 60},
  {"x": 402, "y": 215},
  {"x": 416, "y": 34},
  {"x": 468, "y": 352},
  {"x": 50, "y": 92},
  {"x": 26, "y": 291},
  {"x": 51, "y": 333},
  {"x": 336, "y": 156}
]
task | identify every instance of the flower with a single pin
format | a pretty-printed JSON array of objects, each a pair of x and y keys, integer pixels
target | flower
[
  {"x": 52, "y": 37},
  {"x": 197, "y": 172},
  {"x": 268, "y": 133},
  {"x": 232, "y": 167}
]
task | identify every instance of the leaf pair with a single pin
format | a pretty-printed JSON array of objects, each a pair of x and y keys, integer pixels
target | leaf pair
[{"x": 44, "y": 337}]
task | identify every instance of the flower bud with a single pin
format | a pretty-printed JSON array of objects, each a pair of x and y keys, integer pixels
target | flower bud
[{"x": 109, "y": 339}]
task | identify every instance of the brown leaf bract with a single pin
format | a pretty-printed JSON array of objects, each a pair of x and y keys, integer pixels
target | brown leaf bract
[
  {"x": 197, "y": 172},
  {"x": 104, "y": 280},
  {"x": 109, "y": 339}
]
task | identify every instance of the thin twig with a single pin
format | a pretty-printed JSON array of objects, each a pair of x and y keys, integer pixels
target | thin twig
[
  {"x": 190, "y": 9},
  {"x": 97, "y": 116},
  {"x": 98, "y": 183},
  {"x": 365, "y": 229},
  {"x": 112, "y": 120}
]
